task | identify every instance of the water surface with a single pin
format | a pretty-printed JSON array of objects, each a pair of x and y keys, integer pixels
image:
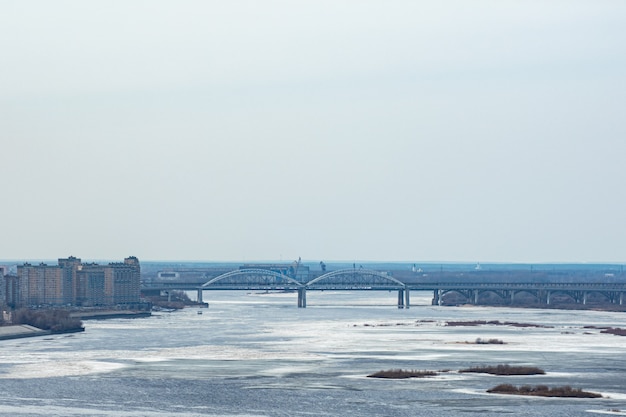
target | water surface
[{"x": 255, "y": 354}]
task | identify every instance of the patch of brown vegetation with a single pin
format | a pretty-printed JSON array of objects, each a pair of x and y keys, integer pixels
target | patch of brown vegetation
[
  {"x": 543, "y": 391},
  {"x": 480, "y": 341},
  {"x": 57, "y": 321},
  {"x": 616, "y": 331},
  {"x": 504, "y": 370},
  {"x": 493, "y": 323},
  {"x": 402, "y": 374}
]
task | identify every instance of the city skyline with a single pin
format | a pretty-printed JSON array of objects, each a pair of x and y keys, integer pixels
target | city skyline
[
  {"x": 74, "y": 282},
  {"x": 338, "y": 131}
]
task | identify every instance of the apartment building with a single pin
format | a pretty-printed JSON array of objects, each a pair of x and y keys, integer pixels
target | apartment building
[{"x": 73, "y": 283}]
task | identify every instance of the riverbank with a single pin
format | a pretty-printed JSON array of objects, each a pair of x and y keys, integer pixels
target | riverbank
[
  {"x": 20, "y": 331},
  {"x": 109, "y": 314}
]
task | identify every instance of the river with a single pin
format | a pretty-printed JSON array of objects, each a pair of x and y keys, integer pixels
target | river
[{"x": 259, "y": 355}]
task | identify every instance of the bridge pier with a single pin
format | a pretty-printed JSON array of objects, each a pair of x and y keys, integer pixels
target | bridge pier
[
  {"x": 407, "y": 298},
  {"x": 548, "y": 297},
  {"x": 301, "y": 297},
  {"x": 437, "y": 297},
  {"x": 475, "y": 297},
  {"x": 621, "y": 298},
  {"x": 400, "y": 298},
  {"x": 199, "y": 298}
]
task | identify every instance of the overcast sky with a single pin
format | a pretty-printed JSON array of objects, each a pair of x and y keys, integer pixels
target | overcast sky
[{"x": 328, "y": 130}]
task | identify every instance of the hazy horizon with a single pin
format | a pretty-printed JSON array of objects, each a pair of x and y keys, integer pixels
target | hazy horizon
[
  {"x": 401, "y": 130},
  {"x": 357, "y": 262}
]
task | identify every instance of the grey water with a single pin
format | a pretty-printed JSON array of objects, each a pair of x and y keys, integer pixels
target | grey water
[{"x": 253, "y": 354}]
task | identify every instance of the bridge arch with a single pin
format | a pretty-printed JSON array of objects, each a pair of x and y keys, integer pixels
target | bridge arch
[
  {"x": 473, "y": 296},
  {"x": 609, "y": 296},
  {"x": 501, "y": 294},
  {"x": 575, "y": 296},
  {"x": 357, "y": 278},
  {"x": 531, "y": 292},
  {"x": 252, "y": 278}
]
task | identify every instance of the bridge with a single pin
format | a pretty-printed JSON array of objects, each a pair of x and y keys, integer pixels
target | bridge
[{"x": 255, "y": 279}]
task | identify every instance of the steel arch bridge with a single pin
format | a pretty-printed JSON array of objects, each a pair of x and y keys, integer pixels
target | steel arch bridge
[
  {"x": 260, "y": 279},
  {"x": 252, "y": 279},
  {"x": 343, "y": 279},
  {"x": 355, "y": 279}
]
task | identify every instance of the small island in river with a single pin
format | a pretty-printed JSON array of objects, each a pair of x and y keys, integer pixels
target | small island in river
[
  {"x": 504, "y": 370},
  {"x": 543, "y": 391},
  {"x": 402, "y": 374}
]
